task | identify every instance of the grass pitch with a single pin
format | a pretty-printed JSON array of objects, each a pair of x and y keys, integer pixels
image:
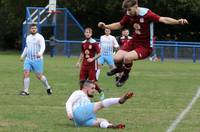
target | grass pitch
[{"x": 162, "y": 91}]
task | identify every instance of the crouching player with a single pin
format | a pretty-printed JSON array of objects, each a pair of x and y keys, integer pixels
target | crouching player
[{"x": 82, "y": 111}]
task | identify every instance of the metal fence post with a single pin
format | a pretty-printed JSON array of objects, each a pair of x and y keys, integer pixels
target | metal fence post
[{"x": 194, "y": 54}]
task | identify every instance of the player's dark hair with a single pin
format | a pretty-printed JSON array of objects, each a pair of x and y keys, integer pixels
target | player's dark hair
[
  {"x": 128, "y": 3},
  {"x": 123, "y": 29},
  {"x": 88, "y": 28},
  {"x": 33, "y": 25},
  {"x": 85, "y": 83}
]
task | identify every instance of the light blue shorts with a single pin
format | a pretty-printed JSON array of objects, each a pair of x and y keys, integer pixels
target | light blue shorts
[
  {"x": 84, "y": 115},
  {"x": 34, "y": 65},
  {"x": 106, "y": 58}
]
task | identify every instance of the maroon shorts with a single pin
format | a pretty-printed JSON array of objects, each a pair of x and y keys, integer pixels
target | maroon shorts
[
  {"x": 143, "y": 49},
  {"x": 88, "y": 72}
]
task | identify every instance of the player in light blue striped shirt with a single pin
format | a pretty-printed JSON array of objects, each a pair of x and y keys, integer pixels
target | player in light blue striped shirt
[
  {"x": 33, "y": 54},
  {"x": 107, "y": 45}
]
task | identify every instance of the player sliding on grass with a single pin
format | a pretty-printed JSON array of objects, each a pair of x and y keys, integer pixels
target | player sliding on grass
[
  {"x": 35, "y": 46},
  {"x": 87, "y": 59},
  {"x": 82, "y": 111},
  {"x": 139, "y": 47}
]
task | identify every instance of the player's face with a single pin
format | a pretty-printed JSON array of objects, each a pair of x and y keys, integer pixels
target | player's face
[
  {"x": 91, "y": 90},
  {"x": 33, "y": 30},
  {"x": 107, "y": 32},
  {"x": 125, "y": 33},
  {"x": 88, "y": 34},
  {"x": 132, "y": 11}
]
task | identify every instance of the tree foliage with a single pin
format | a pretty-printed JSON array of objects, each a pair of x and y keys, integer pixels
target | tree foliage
[{"x": 90, "y": 12}]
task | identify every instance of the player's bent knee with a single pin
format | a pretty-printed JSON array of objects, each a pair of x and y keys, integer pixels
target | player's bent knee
[
  {"x": 128, "y": 58},
  {"x": 118, "y": 58},
  {"x": 26, "y": 74},
  {"x": 39, "y": 76},
  {"x": 98, "y": 106}
]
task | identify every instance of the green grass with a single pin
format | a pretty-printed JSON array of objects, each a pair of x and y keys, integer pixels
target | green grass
[{"x": 162, "y": 91}]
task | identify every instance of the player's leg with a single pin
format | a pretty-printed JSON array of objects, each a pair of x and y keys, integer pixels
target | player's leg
[
  {"x": 128, "y": 62},
  {"x": 111, "y": 64},
  {"x": 100, "y": 63},
  {"x": 92, "y": 77},
  {"x": 104, "y": 123},
  {"x": 26, "y": 81},
  {"x": 136, "y": 54},
  {"x": 100, "y": 91},
  {"x": 83, "y": 75},
  {"x": 118, "y": 59},
  {"x": 111, "y": 101},
  {"x": 38, "y": 69},
  {"x": 110, "y": 61}
]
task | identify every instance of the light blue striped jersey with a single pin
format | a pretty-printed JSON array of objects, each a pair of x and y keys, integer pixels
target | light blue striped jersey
[
  {"x": 35, "y": 45},
  {"x": 107, "y": 43}
]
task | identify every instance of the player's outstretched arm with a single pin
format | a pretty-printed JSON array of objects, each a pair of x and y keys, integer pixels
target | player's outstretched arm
[
  {"x": 113, "y": 26},
  {"x": 172, "y": 21}
]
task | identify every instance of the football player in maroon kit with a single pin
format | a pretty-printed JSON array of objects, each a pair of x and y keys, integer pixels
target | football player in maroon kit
[
  {"x": 139, "y": 47},
  {"x": 123, "y": 40},
  {"x": 90, "y": 52}
]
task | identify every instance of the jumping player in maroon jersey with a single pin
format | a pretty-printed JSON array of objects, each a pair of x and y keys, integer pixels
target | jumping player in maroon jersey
[
  {"x": 139, "y": 47},
  {"x": 90, "y": 52}
]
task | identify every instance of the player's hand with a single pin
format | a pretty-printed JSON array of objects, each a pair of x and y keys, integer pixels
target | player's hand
[
  {"x": 90, "y": 60},
  {"x": 182, "y": 21},
  {"x": 39, "y": 55},
  {"x": 69, "y": 116},
  {"x": 78, "y": 65},
  {"x": 21, "y": 58},
  {"x": 102, "y": 25}
]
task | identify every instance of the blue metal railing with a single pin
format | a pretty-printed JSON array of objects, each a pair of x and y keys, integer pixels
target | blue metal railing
[
  {"x": 176, "y": 45},
  {"x": 158, "y": 45}
]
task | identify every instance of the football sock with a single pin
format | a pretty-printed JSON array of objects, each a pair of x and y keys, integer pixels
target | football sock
[
  {"x": 45, "y": 82},
  {"x": 110, "y": 101},
  {"x": 98, "y": 73},
  {"x": 97, "y": 87},
  {"x": 119, "y": 65},
  {"x": 104, "y": 124},
  {"x": 127, "y": 68},
  {"x": 26, "y": 84}
]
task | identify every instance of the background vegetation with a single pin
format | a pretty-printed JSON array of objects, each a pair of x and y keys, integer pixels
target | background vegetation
[{"x": 90, "y": 12}]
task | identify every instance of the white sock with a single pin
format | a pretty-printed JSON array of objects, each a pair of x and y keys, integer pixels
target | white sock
[
  {"x": 45, "y": 82},
  {"x": 110, "y": 101},
  {"x": 26, "y": 84},
  {"x": 104, "y": 124},
  {"x": 98, "y": 73}
]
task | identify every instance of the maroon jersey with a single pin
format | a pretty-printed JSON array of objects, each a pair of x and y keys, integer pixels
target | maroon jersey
[
  {"x": 89, "y": 48},
  {"x": 124, "y": 40},
  {"x": 141, "y": 24}
]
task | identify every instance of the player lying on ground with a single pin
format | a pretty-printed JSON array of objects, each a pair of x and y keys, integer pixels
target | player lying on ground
[
  {"x": 139, "y": 47},
  {"x": 82, "y": 111}
]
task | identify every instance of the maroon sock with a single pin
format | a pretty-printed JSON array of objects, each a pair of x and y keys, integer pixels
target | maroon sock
[
  {"x": 97, "y": 87},
  {"x": 127, "y": 68},
  {"x": 119, "y": 65}
]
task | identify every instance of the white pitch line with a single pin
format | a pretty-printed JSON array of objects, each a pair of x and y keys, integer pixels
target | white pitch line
[{"x": 184, "y": 112}]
